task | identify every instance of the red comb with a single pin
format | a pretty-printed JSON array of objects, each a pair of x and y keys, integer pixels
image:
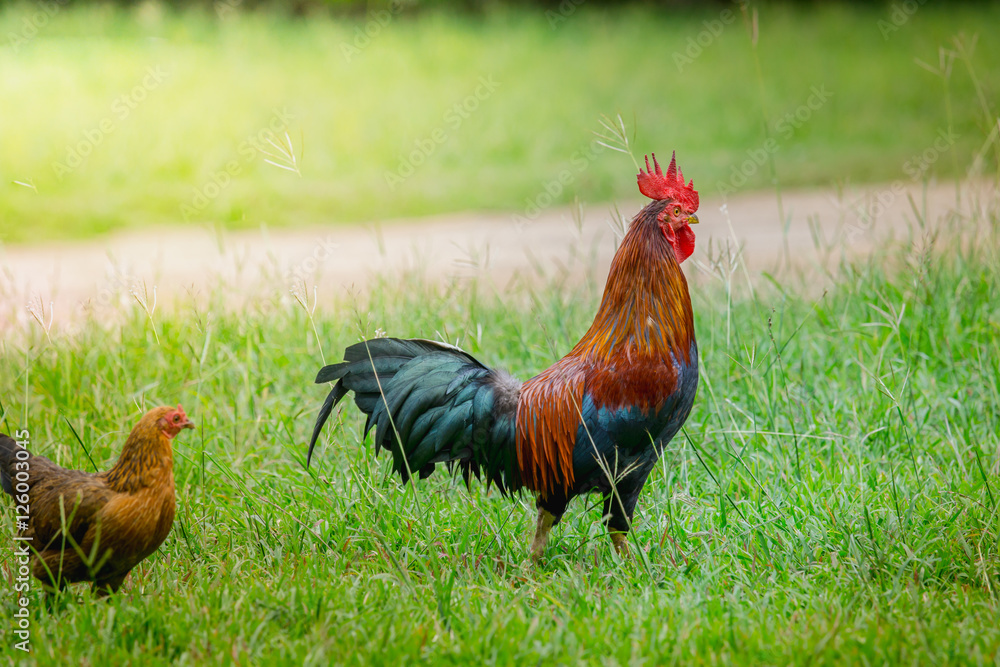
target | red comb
[{"x": 657, "y": 185}]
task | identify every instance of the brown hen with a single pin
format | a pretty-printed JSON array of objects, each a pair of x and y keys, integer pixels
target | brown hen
[{"x": 96, "y": 527}]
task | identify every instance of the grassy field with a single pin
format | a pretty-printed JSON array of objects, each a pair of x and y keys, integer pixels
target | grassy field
[
  {"x": 122, "y": 119},
  {"x": 833, "y": 499}
]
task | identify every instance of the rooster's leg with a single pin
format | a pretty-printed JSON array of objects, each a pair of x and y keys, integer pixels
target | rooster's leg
[
  {"x": 618, "y": 520},
  {"x": 545, "y": 521},
  {"x": 550, "y": 511}
]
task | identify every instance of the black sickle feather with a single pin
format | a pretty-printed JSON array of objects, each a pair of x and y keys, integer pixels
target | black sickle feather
[{"x": 332, "y": 399}]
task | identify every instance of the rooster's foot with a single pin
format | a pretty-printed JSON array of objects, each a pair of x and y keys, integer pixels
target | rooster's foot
[{"x": 620, "y": 541}]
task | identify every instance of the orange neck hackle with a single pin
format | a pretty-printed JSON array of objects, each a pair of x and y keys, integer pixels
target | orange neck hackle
[{"x": 646, "y": 308}]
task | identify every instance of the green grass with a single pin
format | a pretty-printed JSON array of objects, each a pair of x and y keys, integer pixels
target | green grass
[
  {"x": 834, "y": 496},
  {"x": 834, "y": 499},
  {"x": 352, "y": 120}
]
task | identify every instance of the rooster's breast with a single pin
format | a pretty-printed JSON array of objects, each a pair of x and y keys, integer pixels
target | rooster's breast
[{"x": 636, "y": 407}]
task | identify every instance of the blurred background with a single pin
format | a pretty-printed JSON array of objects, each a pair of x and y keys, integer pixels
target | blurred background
[{"x": 237, "y": 113}]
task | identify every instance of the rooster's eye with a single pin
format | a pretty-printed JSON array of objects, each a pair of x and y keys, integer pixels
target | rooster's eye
[
  {"x": 677, "y": 210},
  {"x": 177, "y": 418}
]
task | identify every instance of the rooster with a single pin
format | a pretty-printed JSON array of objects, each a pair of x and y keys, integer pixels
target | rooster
[
  {"x": 96, "y": 527},
  {"x": 595, "y": 421}
]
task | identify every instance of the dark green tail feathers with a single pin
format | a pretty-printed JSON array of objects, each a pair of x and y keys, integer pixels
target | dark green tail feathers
[{"x": 435, "y": 399}]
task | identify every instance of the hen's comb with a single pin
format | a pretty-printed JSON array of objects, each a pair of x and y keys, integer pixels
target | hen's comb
[{"x": 656, "y": 185}]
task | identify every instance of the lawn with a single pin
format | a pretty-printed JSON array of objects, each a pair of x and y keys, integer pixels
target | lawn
[
  {"x": 832, "y": 500},
  {"x": 122, "y": 119}
]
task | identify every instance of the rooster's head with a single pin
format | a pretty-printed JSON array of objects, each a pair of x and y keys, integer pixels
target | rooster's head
[{"x": 680, "y": 203}]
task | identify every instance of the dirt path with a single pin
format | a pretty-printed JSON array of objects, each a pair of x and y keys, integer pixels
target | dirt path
[{"x": 188, "y": 263}]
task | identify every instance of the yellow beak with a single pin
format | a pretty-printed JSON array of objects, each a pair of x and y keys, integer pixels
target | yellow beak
[{"x": 692, "y": 219}]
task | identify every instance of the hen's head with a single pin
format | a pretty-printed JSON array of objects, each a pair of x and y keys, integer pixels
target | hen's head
[
  {"x": 680, "y": 204},
  {"x": 169, "y": 420}
]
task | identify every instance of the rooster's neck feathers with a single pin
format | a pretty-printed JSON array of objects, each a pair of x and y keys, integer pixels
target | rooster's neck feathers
[{"x": 646, "y": 309}]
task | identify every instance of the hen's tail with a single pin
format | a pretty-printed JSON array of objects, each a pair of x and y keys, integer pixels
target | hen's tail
[
  {"x": 8, "y": 455},
  {"x": 429, "y": 403}
]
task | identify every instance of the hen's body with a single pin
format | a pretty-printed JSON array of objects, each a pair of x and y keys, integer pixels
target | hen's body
[
  {"x": 113, "y": 520},
  {"x": 596, "y": 420}
]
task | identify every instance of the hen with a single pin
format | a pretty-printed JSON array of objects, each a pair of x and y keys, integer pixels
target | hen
[
  {"x": 96, "y": 527},
  {"x": 595, "y": 421}
]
